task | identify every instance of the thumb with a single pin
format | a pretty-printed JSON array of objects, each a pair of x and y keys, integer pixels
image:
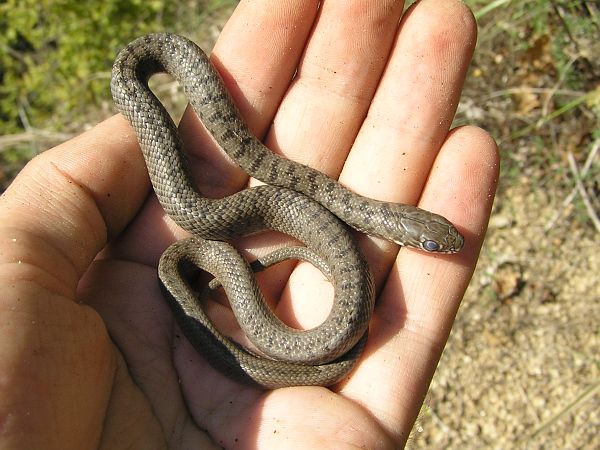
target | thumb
[{"x": 57, "y": 362}]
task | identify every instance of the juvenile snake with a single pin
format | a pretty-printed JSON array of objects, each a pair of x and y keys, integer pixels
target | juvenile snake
[{"x": 296, "y": 200}]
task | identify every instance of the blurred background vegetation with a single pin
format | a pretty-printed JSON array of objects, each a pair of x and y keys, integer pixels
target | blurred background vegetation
[
  {"x": 530, "y": 317},
  {"x": 55, "y": 62}
]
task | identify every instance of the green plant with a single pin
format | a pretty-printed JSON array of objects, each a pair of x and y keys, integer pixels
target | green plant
[{"x": 56, "y": 55}]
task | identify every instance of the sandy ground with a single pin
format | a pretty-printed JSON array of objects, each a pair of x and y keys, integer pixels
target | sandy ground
[{"x": 522, "y": 366}]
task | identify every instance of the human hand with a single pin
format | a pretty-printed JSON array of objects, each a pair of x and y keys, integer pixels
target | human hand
[{"x": 370, "y": 104}]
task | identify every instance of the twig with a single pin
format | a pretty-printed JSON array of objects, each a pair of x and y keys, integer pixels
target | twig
[
  {"x": 565, "y": 25},
  {"x": 581, "y": 188},
  {"x": 554, "y": 89},
  {"x": 32, "y": 136},
  {"x": 533, "y": 90},
  {"x": 582, "y": 398},
  {"x": 593, "y": 13},
  {"x": 567, "y": 201}
]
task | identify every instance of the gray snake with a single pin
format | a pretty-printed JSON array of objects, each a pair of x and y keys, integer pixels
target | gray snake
[{"x": 296, "y": 200}]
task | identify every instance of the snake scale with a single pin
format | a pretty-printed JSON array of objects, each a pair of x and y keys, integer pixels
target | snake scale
[{"x": 296, "y": 200}]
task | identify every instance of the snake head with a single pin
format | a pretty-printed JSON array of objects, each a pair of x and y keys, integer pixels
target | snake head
[
  {"x": 414, "y": 227},
  {"x": 440, "y": 236}
]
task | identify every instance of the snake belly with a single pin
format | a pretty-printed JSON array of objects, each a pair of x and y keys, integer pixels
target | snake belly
[{"x": 298, "y": 201}]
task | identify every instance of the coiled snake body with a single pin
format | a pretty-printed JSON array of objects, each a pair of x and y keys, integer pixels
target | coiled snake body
[{"x": 297, "y": 200}]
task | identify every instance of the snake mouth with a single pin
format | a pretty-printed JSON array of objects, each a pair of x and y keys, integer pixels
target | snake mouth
[
  {"x": 459, "y": 242},
  {"x": 456, "y": 241},
  {"x": 454, "y": 244}
]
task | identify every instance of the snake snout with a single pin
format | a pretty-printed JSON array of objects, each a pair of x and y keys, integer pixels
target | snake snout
[
  {"x": 440, "y": 236},
  {"x": 454, "y": 241}
]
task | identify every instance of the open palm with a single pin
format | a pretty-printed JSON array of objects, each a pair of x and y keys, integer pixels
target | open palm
[{"x": 91, "y": 356}]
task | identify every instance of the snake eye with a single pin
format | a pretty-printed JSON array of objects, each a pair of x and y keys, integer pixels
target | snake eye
[{"x": 431, "y": 246}]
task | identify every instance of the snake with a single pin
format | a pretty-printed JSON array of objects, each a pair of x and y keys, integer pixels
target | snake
[{"x": 296, "y": 200}]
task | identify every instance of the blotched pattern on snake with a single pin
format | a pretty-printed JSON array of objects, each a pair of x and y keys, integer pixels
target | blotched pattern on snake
[{"x": 296, "y": 200}]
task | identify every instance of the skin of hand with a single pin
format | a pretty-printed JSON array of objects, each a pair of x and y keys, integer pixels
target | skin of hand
[{"x": 90, "y": 356}]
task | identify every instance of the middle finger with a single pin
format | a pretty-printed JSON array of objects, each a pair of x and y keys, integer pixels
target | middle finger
[{"x": 320, "y": 115}]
